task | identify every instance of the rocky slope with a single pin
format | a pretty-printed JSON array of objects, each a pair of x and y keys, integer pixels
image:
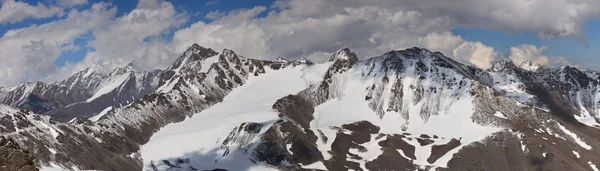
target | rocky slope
[
  {"x": 404, "y": 110},
  {"x": 12, "y": 157}
]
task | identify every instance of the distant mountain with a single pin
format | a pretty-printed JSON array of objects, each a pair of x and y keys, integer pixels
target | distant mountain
[
  {"x": 84, "y": 94},
  {"x": 404, "y": 110}
]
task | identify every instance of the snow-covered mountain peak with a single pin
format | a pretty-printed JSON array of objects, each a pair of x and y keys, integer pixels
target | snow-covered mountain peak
[
  {"x": 530, "y": 66},
  {"x": 192, "y": 54},
  {"x": 129, "y": 68},
  {"x": 228, "y": 53},
  {"x": 280, "y": 59},
  {"x": 504, "y": 64},
  {"x": 132, "y": 67},
  {"x": 415, "y": 52},
  {"x": 87, "y": 78},
  {"x": 344, "y": 54},
  {"x": 95, "y": 69},
  {"x": 303, "y": 60}
]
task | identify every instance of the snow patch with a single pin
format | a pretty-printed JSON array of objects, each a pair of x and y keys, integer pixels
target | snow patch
[
  {"x": 500, "y": 115},
  {"x": 576, "y": 154},
  {"x": 206, "y": 63},
  {"x": 316, "y": 165},
  {"x": 55, "y": 167},
  {"x": 99, "y": 115},
  {"x": 168, "y": 86},
  {"x": 109, "y": 85},
  {"x": 511, "y": 86},
  {"x": 575, "y": 137},
  {"x": 593, "y": 166}
]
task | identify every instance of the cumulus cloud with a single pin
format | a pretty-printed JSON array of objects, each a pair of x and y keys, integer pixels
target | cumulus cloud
[
  {"x": 525, "y": 52},
  {"x": 134, "y": 37},
  {"x": 15, "y": 11},
  {"x": 28, "y": 53},
  {"x": 548, "y": 19},
  {"x": 532, "y": 53}
]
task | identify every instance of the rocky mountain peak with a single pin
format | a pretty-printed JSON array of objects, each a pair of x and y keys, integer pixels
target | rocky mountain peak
[
  {"x": 303, "y": 60},
  {"x": 228, "y": 52},
  {"x": 280, "y": 59},
  {"x": 130, "y": 67},
  {"x": 344, "y": 54},
  {"x": 414, "y": 51},
  {"x": 195, "y": 48},
  {"x": 530, "y": 66},
  {"x": 504, "y": 64},
  {"x": 193, "y": 53}
]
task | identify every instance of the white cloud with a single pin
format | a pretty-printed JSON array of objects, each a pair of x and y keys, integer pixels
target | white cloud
[
  {"x": 123, "y": 40},
  {"x": 214, "y": 15},
  {"x": 15, "y": 11},
  {"x": 212, "y": 2},
  {"x": 548, "y": 19},
  {"x": 526, "y": 52},
  {"x": 70, "y": 3},
  {"x": 28, "y": 53}
]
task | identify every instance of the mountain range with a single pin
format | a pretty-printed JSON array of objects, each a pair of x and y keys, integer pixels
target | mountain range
[{"x": 409, "y": 109}]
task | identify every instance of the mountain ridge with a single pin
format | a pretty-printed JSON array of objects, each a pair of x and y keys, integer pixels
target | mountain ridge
[{"x": 407, "y": 109}]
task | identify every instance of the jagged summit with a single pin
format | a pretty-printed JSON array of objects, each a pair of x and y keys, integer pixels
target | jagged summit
[
  {"x": 280, "y": 59},
  {"x": 303, "y": 60},
  {"x": 530, "y": 66},
  {"x": 192, "y": 54},
  {"x": 344, "y": 54},
  {"x": 130, "y": 67},
  {"x": 504, "y": 64},
  {"x": 228, "y": 52},
  {"x": 196, "y": 47}
]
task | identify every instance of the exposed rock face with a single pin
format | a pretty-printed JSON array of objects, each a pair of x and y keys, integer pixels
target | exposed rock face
[
  {"x": 13, "y": 157},
  {"x": 405, "y": 110}
]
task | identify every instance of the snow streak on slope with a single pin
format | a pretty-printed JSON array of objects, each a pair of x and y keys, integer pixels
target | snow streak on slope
[
  {"x": 593, "y": 166},
  {"x": 575, "y": 137},
  {"x": 109, "y": 85},
  {"x": 99, "y": 115},
  {"x": 199, "y": 138}
]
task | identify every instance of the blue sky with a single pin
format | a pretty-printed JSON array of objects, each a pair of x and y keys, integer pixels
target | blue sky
[{"x": 52, "y": 45}]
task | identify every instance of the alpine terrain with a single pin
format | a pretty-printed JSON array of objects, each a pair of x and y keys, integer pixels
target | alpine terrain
[{"x": 410, "y": 109}]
